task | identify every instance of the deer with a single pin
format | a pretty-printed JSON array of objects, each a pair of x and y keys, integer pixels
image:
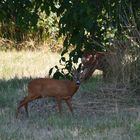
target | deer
[
  {"x": 90, "y": 62},
  {"x": 97, "y": 60},
  {"x": 47, "y": 87}
]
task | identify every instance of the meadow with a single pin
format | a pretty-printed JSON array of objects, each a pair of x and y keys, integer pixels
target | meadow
[{"x": 98, "y": 114}]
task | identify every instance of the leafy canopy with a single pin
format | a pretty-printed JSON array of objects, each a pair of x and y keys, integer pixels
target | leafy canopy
[{"x": 89, "y": 24}]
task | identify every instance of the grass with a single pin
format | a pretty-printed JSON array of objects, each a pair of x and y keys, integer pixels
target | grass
[
  {"x": 97, "y": 115},
  {"x": 26, "y": 63}
]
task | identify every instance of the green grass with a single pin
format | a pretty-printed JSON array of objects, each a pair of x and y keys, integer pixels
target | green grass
[{"x": 97, "y": 116}]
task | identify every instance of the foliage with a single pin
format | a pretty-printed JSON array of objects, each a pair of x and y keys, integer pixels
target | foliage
[
  {"x": 24, "y": 20},
  {"x": 17, "y": 16},
  {"x": 86, "y": 23},
  {"x": 91, "y": 25},
  {"x": 47, "y": 26}
]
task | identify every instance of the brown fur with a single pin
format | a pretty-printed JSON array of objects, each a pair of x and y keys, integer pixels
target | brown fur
[
  {"x": 44, "y": 87},
  {"x": 96, "y": 60}
]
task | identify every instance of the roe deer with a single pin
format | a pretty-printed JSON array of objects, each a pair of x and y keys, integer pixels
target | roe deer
[
  {"x": 92, "y": 61},
  {"x": 59, "y": 89},
  {"x": 96, "y": 60}
]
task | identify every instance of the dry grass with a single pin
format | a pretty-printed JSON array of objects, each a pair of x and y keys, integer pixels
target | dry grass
[{"x": 27, "y": 63}]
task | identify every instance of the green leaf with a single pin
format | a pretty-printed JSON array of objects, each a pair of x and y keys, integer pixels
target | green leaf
[
  {"x": 58, "y": 75},
  {"x": 64, "y": 52},
  {"x": 50, "y": 71},
  {"x": 56, "y": 67}
]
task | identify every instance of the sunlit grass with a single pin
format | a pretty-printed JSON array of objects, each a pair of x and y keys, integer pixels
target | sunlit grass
[
  {"x": 26, "y": 63},
  {"x": 90, "y": 121}
]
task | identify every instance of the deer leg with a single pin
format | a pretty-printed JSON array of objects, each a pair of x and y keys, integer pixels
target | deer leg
[
  {"x": 25, "y": 105},
  {"x": 25, "y": 102},
  {"x": 26, "y": 109},
  {"x": 20, "y": 105},
  {"x": 68, "y": 101},
  {"x": 59, "y": 105}
]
